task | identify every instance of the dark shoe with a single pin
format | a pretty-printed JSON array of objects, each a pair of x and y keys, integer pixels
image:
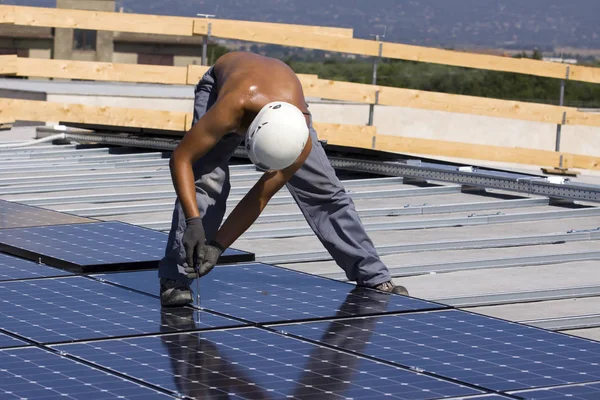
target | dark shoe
[
  {"x": 389, "y": 287},
  {"x": 174, "y": 293}
]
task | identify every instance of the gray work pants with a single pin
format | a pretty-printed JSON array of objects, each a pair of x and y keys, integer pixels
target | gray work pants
[{"x": 327, "y": 207}]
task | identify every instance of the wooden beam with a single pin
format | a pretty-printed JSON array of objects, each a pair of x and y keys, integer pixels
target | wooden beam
[
  {"x": 100, "y": 71},
  {"x": 195, "y": 73},
  {"x": 358, "y": 136},
  {"x": 101, "y": 20},
  {"x": 484, "y": 152},
  {"x": 470, "y": 60},
  {"x": 288, "y": 38},
  {"x": 586, "y": 74},
  {"x": 226, "y": 26},
  {"x": 44, "y": 111},
  {"x": 8, "y": 65}
]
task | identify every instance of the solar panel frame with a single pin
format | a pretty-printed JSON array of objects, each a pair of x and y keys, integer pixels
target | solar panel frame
[
  {"x": 56, "y": 251},
  {"x": 253, "y": 362},
  {"x": 8, "y": 341},
  {"x": 70, "y": 309},
  {"x": 447, "y": 353},
  {"x": 267, "y": 294},
  {"x": 36, "y": 373},
  {"x": 11, "y": 216},
  {"x": 13, "y": 268}
]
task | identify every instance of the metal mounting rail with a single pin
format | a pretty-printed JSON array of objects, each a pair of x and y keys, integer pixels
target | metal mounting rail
[
  {"x": 530, "y": 184},
  {"x": 414, "y": 168}
]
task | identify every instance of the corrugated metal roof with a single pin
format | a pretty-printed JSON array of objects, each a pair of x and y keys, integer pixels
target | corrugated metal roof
[{"x": 500, "y": 253}]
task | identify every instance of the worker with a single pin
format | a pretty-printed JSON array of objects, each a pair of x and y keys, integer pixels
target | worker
[{"x": 259, "y": 99}]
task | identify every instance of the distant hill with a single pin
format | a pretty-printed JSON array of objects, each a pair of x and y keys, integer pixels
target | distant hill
[{"x": 519, "y": 24}]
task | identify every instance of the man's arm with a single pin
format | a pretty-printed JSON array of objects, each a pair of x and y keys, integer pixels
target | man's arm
[
  {"x": 255, "y": 201},
  {"x": 222, "y": 118}
]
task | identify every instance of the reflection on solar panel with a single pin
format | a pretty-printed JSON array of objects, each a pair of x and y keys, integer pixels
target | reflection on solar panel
[
  {"x": 93, "y": 247},
  {"x": 76, "y": 308},
  {"x": 16, "y": 268},
  {"x": 263, "y": 293},
  {"x": 8, "y": 341},
  {"x": 572, "y": 392},
  {"x": 35, "y": 374},
  {"x": 253, "y": 363},
  {"x": 15, "y": 215},
  {"x": 467, "y": 347}
]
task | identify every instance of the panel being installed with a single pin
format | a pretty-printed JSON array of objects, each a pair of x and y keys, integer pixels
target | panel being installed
[
  {"x": 77, "y": 308},
  {"x": 94, "y": 247},
  {"x": 15, "y": 215},
  {"x": 12, "y": 268},
  {"x": 471, "y": 348},
  {"x": 258, "y": 364},
  {"x": 589, "y": 391},
  {"x": 266, "y": 294},
  {"x": 37, "y": 374}
]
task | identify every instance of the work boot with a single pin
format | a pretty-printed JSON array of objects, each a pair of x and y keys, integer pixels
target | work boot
[
  {"x": 174, "y": 293},
  {"x": 389, "y": 287}
]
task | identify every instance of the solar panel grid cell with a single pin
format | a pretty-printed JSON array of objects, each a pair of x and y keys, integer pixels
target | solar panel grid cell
[
  {"x": 77, "y": 308},
  {"x": 93, "y": 247},
  {"x": 254, "y": 363},
  {"x": 37, "y": 374},
  {"x": 266, "y": 294},
  {"x": 13, "y": 268},
  {"x": 471, "y": 348}
]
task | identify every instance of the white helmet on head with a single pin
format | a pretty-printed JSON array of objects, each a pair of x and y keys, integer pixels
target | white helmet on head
[{"x": 277, "y": 136}]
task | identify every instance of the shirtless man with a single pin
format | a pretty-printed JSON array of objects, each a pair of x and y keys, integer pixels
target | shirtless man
[{"x": 228, "y": 100}]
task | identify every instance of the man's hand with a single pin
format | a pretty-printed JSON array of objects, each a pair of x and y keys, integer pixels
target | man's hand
[
  {"x": 193, "y": 241},
  {"x": 209, "y": 255}
]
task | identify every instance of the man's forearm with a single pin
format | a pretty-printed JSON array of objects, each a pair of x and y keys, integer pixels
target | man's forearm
[
  {"x": 184, "y": 183},
  {"x": 242, "y": 216}
]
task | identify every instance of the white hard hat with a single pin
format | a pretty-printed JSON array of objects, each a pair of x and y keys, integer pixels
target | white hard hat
[{"x": 277, "y": 136}]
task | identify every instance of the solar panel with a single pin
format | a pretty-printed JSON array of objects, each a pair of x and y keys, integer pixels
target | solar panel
[
  {"x": 572, "y": 392},
  {"x": 76, "y": 308},
  {"x": 35, "y": 374},
  {"x": 484, "y": 397},
  {"x": 9, "y": 341},
  {"x": 12, "y": 268},
  {"x": 264, "y": 294},
  {"x": 257, "y": 364},
  {"x": 15, "y": 215},
  {"x": 94, "y": 247},
  {"x": 468, "y": 347}
]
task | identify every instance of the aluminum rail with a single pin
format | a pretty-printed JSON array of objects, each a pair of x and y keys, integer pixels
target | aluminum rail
[
  {"x": 528, "y": 296},
  {"x": 464, "y": 175},
  {"x": 521, "y": 183}
]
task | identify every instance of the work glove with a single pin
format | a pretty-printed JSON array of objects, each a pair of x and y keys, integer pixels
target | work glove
[
  {"x": 193, "y": 241},
  {"x": 209, "y": 255}
]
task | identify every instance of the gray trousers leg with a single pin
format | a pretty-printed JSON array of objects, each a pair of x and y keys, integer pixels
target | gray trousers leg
[
  {"x": 331, "y": 214},
  {"x": 212, "y": 189}
]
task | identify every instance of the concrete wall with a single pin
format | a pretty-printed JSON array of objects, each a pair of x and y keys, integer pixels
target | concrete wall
[
  {"x": 441, "y": 125},
  {"x": 63, "y": 38}
]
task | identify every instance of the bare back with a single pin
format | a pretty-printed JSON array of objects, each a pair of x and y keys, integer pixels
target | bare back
[{"x": 257, "y": 81}]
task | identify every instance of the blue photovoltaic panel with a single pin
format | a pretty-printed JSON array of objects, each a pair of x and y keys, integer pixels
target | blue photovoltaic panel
[
  {"x": 468, "y": 347},
  {"x": 483, "y": 397},
  {"x": 12, "y": 268},
  {"x": 15, "y": 215},
  {"x": 76, "y": 308},
  {"x": 37, "y": 374},
  {"x": 573, "y": 392},
  {"x": 93, "y": 247},
  {"x": 8, "y": 341},
  {"x": 263, "y": 294},
  {"x": 257, "y": 364}
]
